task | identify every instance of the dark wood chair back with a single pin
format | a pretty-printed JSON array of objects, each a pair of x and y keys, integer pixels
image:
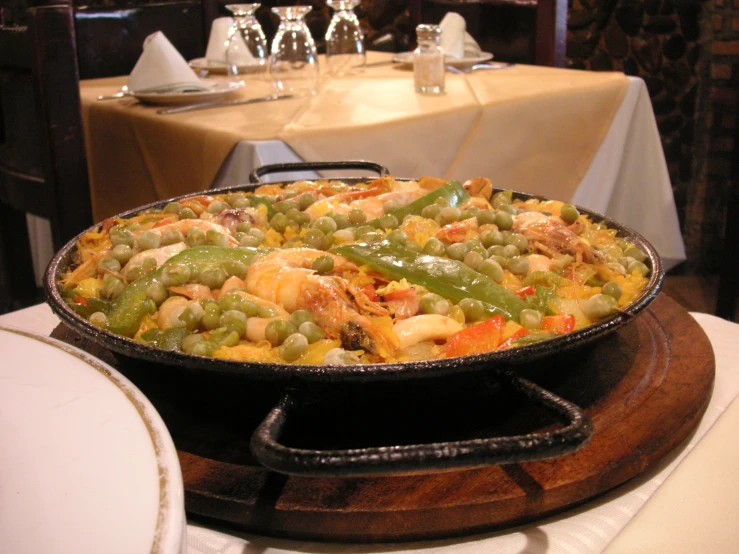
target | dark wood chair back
[
  {"x": 517, "y": 31},
  {"x": 43, "y": 164}
]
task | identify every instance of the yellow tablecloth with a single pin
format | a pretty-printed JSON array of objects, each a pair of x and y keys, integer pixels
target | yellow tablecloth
[{"x": 539, "y": 127}]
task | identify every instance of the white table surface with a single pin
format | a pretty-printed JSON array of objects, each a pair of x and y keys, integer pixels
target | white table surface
[
  {"x": 627, "y": 180},
  {"x": 687, "y": 503}
]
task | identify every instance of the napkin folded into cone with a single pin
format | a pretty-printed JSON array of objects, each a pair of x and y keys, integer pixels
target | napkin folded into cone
[
  {"x": 456, "y": 42},
  {"x": 162, "y": 69},
  {"x": 218, "y": 43}
]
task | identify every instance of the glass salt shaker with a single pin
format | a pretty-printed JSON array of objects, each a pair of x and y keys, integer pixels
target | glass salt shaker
[{"x": 428, "y": 60}]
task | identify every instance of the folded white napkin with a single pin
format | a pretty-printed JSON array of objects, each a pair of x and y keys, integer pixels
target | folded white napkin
[
  {"x": 161, "y": 68},
  {"x": 219, "y": 40},
  {"x": 456, "y": 42}
]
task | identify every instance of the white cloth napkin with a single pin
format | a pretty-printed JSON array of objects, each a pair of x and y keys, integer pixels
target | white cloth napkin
[
  {"x": 219, "y": 40},
  {"x": 456, "y": 42},
  {"x": 162, "y": 69}
]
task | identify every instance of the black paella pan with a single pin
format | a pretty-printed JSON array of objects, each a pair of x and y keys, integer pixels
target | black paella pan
[{"x": 573, "y": 433}]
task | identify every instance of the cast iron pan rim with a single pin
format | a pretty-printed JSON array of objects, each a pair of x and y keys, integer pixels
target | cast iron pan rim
[{"x": 329, "y": 373}]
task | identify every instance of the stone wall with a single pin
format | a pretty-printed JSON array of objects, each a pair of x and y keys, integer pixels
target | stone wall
[{"x": 687, "y": 53}]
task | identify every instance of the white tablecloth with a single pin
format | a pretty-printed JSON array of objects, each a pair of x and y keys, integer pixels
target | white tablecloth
[
  {"x": 687, "y": 503},
  {"x": 627, "y": 180}
]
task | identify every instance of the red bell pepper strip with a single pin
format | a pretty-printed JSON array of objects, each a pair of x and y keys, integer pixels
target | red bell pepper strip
[
  {"x": 477, "y": 339},
  {"x": 559, "y": 324}
]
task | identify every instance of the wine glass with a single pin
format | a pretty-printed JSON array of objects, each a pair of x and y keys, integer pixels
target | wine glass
[
  {"x": 246, "y": 45},
  {"x": 344, "y": 40},
  {"x": 293, "y": 64}
]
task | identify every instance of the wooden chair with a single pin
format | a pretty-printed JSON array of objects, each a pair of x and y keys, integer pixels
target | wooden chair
[
  {"x": 43, "y": 165},
  {"x": 518, "y": 31}
]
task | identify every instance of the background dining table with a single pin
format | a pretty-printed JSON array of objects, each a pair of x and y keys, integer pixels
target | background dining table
[
  {"x": 685, "y": 503},
  {"x": 585, "y": 137}
]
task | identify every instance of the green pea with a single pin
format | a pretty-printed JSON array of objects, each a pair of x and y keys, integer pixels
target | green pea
[
  {"x": 531, "y": 319},
  {"x": 492, "y": 269},
  {"x": 504, "y": 220},
  {"x": 235, "y": 268},
  {"x": 217, "y": 206},
  {"x": 216, "y": 238},
  {"x": 188, "y": 343},
  {"x": 472, "y": 259},
  {"x": 457, "y": 251},
  {"x": 569, "y": 213},
  {"x": 413, "y": 246},
  {"x": 188, "y": 213},
  {"x": 357, "y": 216},
  {"x": 374, "y": 236},
  {"x": 486, "y": 217},
  {"x": 501, "y": 198},
  {"x": 225, "y": 336},
  {"x": 235, "y": 320},
  {"x": 472, "y": 308},
  {"x": 172, "y": 208},
  {"x": 363, "y": 230},
  {"x": 612, "y": 288},
  {"x": 298, "y": 317},
  {"x": 195, "y": 237},
  {"x": 172, "y": 236},
  {"x": 235, "y": 197},
  {"x": 285, "y": 206},
  {"x": 491, "y": 237},
  {"x": 157, "y": 292},
  {"x": 277, "y": 331},
  {"x": 434, "y": 304},
  {"x": 191, "y": 315},
  {"x": 449, "y": 215},
  {"x": 213, "y": 277},
  {"x": 325, "y": 224},
  {"x": 122, "y": 253},
  {"x": 389, "y": 222},
  {"x": 431, "y": 212},
  {"x": 306, "y": 200},
  {"x": 99, "y": 319},
  {"x": 510, "y": 251},
  {"x": 496, "y": 250},
  {"x": 109, "y": 265},
  {"x": 397, "y": 236},
  {"x": 518, "y": 265},
  {"x": 508, "y": 208},
  {"x": 148, "y": 240},
  {"x": 265, "y": 311},
  {"x": 434, "y": 247},
  {"x": 293, "y": 347},
  {"x": 441, "y": 202},
  {"x": 112, "y": 287},
  {"x": 175, "y": 274},
  {"x": 211, "y": 316},
  {"x": 635, "y": 253},
  {"x": 120, "y": 235},
  {"x": 323, "y": 264},
  {"x": 311, "y": 331},
  {"x": 231, "y": 301},
  {"x": 250, "y": 240},
  {"x": 599, "y": 306},
  {"x": 243, "y": 226},
  {"x": 204, "y": 348},
  {"x": 469, "y": 213},
  {"x": 314, "y": 238},
  {"x": 342, "y": 221},
  {"x": 519, "y": 241},
  {"x": 279, "y": 222}
]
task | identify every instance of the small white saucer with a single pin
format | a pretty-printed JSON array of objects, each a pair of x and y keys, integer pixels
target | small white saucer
[
  {"x": 215, "y": 89},
  {"x": 407, "y": 58}
]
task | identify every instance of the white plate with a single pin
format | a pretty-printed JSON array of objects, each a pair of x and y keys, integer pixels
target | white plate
[
  {"x": 407, "y": 57},
  {"x": 220, "y": 68},
  {"x": 215, "y": 89},
  {"x": 86, "y": 463}
]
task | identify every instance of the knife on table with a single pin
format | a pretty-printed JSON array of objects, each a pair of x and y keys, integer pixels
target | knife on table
[{"x": 223, "y": 103}]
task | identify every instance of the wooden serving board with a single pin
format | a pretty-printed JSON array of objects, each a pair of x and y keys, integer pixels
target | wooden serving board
[{"x": 645, "y": 387}]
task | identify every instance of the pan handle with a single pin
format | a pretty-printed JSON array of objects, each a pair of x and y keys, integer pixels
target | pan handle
[
  {"x": 260, "y": 171},
  {"x": 439, "y": 456}
]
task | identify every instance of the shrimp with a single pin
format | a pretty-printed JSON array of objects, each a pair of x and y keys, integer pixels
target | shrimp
[
  {"x": 160, "y": 255},
  {"x": 285, "y": 277},
  {"x": 479, "y": 186},
  {"x": 366, "y": 199},
  {"x": 552, "y": 237},
  {"x": 373, "y": 207}
]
